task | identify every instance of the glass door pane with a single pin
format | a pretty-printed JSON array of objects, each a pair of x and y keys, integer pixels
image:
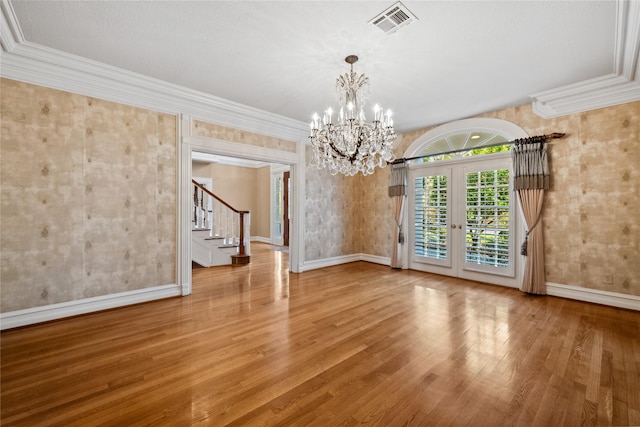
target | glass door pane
[
  {"x": 277, "y": 207},
  {"x": 488, "y": 220},
  {"x": 462, "y": 220},
  {"x": 431, "y": 214}
]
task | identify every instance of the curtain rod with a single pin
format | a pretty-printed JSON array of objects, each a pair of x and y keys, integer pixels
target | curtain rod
[{"x": 529, "y": 140}]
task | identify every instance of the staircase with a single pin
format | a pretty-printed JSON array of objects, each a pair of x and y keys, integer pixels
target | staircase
[{"x": 220, "y": 233}]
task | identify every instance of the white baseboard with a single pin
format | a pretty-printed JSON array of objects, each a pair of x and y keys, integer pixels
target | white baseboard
[
  {"x": 328, "y": 262},
  {"x": 375, "y": 259},
  {"x": 30, "y": 316},
  {"x": 14, "y": 319},
  {"x": 597, "y": 296},
  {"x": 613, "y": 299},
  {"x": 261, "y": 239}
]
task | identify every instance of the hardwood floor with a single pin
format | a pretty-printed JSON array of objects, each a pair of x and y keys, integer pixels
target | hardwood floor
[{"x": 346, "y": 345}]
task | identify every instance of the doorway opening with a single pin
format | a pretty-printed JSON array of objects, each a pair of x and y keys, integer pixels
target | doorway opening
[{"x": 249, "y": 185}]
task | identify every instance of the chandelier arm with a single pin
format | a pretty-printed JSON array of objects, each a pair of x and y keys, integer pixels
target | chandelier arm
[
  {"x": 339, "y": 153},
  {"x": 352, "y": 158},
  {"x": 357, "y": 150}
]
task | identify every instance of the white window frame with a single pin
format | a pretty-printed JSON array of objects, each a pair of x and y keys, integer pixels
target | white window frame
[{"x": 510, "y": 131}]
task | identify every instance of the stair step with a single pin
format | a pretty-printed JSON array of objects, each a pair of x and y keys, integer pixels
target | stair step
[
  {"x": 200, "y": 229},
  {"x": 228, "y": 246},
  {"x": 214, "y": 238}
]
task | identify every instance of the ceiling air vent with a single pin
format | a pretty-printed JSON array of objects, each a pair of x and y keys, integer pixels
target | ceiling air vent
[{"x": 392, "y": 19}]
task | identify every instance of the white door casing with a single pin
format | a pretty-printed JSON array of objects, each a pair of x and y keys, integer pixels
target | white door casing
[{"x": 189, "y": 143}]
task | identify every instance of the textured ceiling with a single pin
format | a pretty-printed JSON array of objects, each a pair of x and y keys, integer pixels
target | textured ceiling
[{"x": 457, "y": 60}]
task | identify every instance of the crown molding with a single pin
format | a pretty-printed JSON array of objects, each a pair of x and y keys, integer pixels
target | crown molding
[
  {"x": 620, "y": 87},
  {"x": 10, "y": 31},
  {"x": 36, "y": 64},
  {"x": 43, "y": 66}
]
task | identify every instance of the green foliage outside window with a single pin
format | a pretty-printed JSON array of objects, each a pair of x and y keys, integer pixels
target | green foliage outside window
[
  {"x": 487, "y": 213},
  {"x": 472, "y": 152},
  {"x": 487, "y": 217}
]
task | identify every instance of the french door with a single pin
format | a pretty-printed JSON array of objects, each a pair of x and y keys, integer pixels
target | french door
[{"x": 463, "y": 219}]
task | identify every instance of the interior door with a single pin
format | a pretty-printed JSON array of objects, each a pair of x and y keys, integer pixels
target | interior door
[
  {"x": 285, "y": 208},
  {"x": 277, "y": 214},
  {"x": 463, "y": 219}
]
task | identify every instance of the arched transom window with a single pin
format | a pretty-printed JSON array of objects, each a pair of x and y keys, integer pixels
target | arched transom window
[
  {"x": 472, "y": 136},
  {"x": 447, "y": 147}
]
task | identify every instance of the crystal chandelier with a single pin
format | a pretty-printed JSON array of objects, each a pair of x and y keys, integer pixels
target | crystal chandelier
[{"x": 347, "y": 144}]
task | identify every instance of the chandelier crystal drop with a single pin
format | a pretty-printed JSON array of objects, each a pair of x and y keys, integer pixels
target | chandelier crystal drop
[{"x": 345, "y": 143}]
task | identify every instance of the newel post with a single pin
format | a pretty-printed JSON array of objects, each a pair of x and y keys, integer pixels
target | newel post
[
  {"x": 242, "y": 257},
  {"x": 242, "y": 250}
]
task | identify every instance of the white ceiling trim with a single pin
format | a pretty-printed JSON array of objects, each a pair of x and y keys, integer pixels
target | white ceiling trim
[
  {"x": 36, "y": 64},
  {"x": 40, "y": 65},
  {"x": 10, "y": 32},
  {"x": 618, "y": 88}
]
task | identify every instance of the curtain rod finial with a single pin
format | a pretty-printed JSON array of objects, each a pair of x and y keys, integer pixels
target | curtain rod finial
[{"x": 556, "y": 135}]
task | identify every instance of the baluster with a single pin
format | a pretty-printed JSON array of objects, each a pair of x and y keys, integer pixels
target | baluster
[
  {"x": 247, "y": 234},
  {"x": 195, "y": 207},
  {"x": 219, "y": 223},
  {"x": 203, "y": 222},
  {"x": 226, "y": 226},
  {"x": 241, "y": 237},
  {"x": 210, "y": 214},
  {"x": 233, "y": 228}
]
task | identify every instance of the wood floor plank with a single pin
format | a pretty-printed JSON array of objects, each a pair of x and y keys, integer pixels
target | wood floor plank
[{"x": 347, "y": 345}]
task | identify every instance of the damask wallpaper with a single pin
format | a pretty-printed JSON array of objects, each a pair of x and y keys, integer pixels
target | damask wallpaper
[
  {"x": 88, "y": 197},
  {"x": 331, "y": 214},
  {"x": 591, "y": 225}
]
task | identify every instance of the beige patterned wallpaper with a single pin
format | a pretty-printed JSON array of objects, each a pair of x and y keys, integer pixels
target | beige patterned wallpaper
[
  {"x": 347, "y": 215},
  {"x": 591, "y": 215},
  {"x": 234, "y": 135},
  {"x": 88, "y": 197},
  {"x": 262, "y": 217},
  {"x": 331, "y": 214}
]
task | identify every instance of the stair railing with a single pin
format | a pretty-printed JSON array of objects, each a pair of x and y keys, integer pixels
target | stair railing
[{"x": 220, "y": 218}]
